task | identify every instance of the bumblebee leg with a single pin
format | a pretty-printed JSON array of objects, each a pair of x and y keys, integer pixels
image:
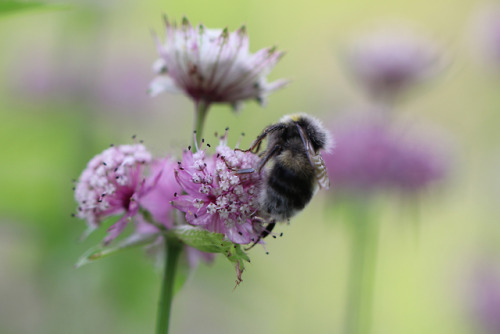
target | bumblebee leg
[
  {"x": 255, "y": 146},
  {"x": 245, "y": 171},
  {"x": 262, "y": 161},
  {"x": 267, "y": 156},
  {"x": 269, "y": 229},
  {"x": 265, "y": 233}
]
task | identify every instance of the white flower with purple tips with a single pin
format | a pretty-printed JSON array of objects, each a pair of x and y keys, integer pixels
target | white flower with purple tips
[
  {"x": 213, "y": 65},
  {"x": 112, "y": 184}
]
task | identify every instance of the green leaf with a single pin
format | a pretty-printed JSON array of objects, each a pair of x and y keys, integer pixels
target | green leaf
[
  {"x": 99, "y": 252},
  {"x": 202, "y": 239},
  {"x": 213, "y": 243},
  {"x": 11, "y": 7}
]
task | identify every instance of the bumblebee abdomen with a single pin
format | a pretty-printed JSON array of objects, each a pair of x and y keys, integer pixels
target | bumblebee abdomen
[{"x": 286, "y": 192}]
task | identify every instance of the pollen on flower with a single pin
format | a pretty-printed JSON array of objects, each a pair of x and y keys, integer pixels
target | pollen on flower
[{"x": 224, "y": 201}]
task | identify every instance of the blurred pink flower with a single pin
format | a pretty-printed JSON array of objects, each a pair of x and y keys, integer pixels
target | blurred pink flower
[
  {"x": 215, "y": 197},
  {"x": 372, "y": 156},
  {"x": 387, "y": 62},
  {"x": 213, "y": 65},
  {"x": 112, "y": 184},
  {"x": 485, "y": 298},
  {"x": 486, "y": 34}
]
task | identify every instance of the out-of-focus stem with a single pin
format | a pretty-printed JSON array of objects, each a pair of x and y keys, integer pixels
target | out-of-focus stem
[
  {"x": 201, "y": 111},
  {"x": 364, "y": 241},
  {"x": 173, "y": 249}
]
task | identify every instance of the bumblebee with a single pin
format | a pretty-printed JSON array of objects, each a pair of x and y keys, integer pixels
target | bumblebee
[{"x": 295, "y": 167}]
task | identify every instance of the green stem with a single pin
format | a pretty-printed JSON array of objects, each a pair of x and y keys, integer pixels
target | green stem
[
  {"x": 173, "y": 246},
  {"x": 201, "y": 111},
  {"x": 362, "y": 271},
  {"x": 172, "y": 251}
]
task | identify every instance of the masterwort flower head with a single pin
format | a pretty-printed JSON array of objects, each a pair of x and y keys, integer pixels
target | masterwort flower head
[
  {"x": 213, "y": 65},
  {"x": 388, "y": 61},
  {"x": 112, "y": 184},
  {"x": 370, "y": 155},
  {"x": 217, "y": 198}
]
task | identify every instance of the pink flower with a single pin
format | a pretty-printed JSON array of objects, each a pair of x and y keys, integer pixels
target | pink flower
[
  {"x": 213, "y": 65},
  {"x": 157, "y": 200},
  {"x": 216, "y": 198},
  {"x": 486, "y": 35},
  {"x": 372, "y": 156},
  {"x": 387, "y": 62},
  {"x": 112, "y": 184},
  {"x": 484, "y": 297}
]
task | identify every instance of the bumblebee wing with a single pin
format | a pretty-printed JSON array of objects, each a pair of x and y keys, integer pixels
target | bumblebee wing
[
  {"x": 316, "y": 160},
  {"x": 321, "y": 172}
]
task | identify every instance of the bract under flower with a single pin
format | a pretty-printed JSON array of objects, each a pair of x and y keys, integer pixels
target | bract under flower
[
  {"x": 111, "y": 184},
  {"x": 216, "y": 197},
  {"x": 213, "y": 65}
]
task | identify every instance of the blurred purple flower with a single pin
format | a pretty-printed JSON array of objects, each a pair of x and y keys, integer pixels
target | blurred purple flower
[
  {"x": 486, "y": 33},
  {"x": 485, "y": 298},
  {"x": 213, "y": 65},
  {"x": 387, "y": 62},
  {"x": 215, "y": 197},
  {"x": 113, "y": 183},
  {"x": 121, "y": 83},
  {"x": 371, "y": 156}
]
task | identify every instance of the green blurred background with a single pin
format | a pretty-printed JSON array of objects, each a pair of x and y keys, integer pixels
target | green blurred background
[{"x": 66, "y": 94}]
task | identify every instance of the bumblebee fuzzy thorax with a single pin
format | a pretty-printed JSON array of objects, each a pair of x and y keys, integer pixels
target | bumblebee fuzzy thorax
[{"x": 319, "y": 137}]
